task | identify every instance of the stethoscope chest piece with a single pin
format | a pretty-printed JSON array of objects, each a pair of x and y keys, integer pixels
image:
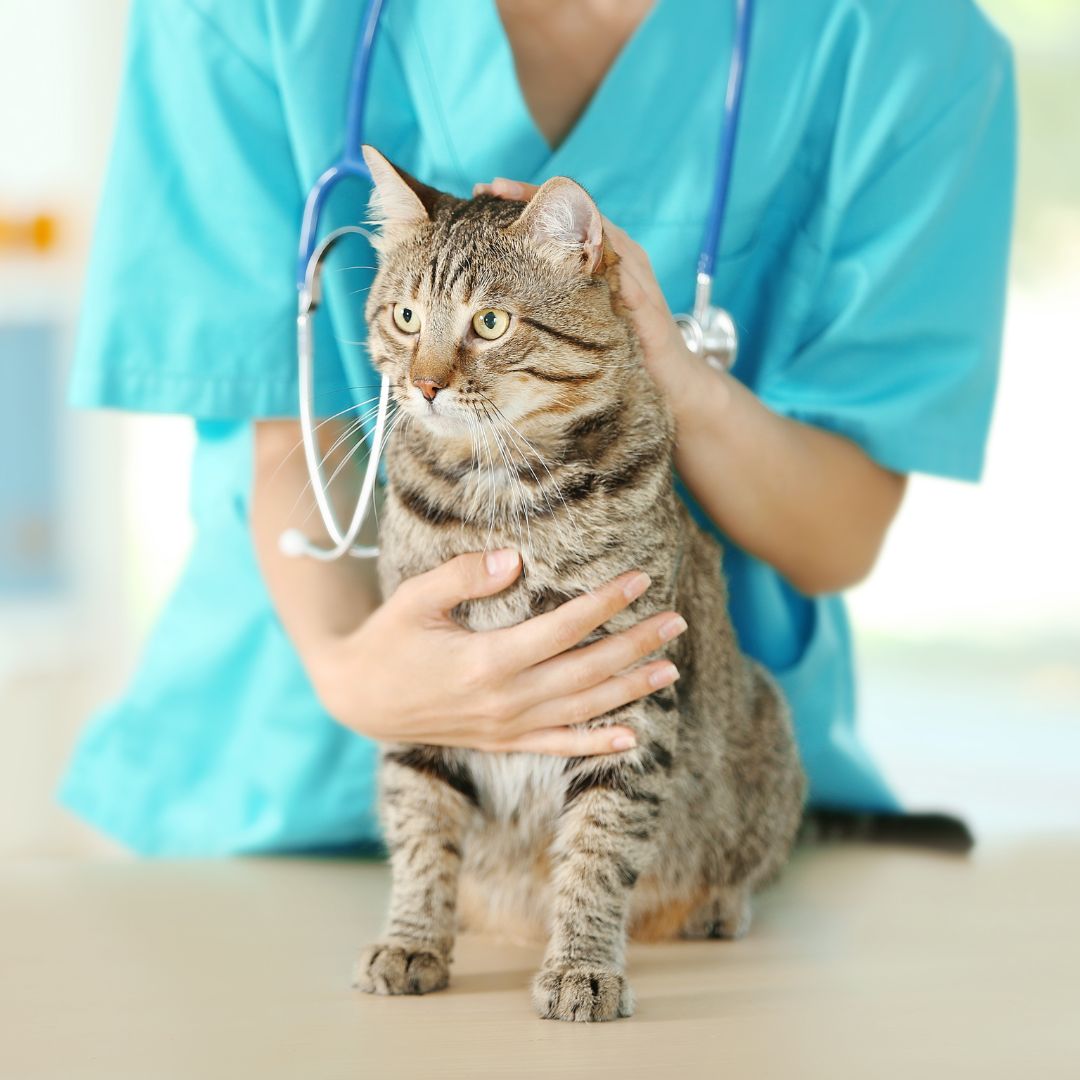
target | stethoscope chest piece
[
  {"x": 712, "y": 336},
  {"x": 710, "y": 332}
]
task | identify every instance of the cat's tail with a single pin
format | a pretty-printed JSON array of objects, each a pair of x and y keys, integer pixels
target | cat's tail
[{"x": 937, "y": 831}]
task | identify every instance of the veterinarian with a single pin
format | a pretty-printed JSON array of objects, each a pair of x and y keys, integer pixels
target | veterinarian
[{"x": 864, "y": 262}]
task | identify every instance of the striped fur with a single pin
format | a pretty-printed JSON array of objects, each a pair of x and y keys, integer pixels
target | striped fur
[{"x": 555, "y": 441}]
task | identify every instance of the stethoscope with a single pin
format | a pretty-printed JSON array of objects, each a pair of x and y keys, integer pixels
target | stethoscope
[{"x": 709, "y": 331}]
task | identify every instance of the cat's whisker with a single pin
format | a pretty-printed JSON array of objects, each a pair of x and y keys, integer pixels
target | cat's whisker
[
  {"x": 322, "y": 423},
  {"x": 400, "y": 419},
  {"x": 360, "y": 444},
  {"x": 350, "y": 430},
  {"x": 511, "y": 473},
  {"x": 515, "y": 431},
  {"x": 491, "y": 475},
  {"x": 353, "y": 427},
  {"x": 515, "y": 444},
  {"x": 526, "y": 502},
  {"x": 476, "y": 472}
]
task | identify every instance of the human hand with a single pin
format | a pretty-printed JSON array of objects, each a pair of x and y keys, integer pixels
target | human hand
[
  {"x": 676, "y": 370},
  {"x": 411, "y": 674}
]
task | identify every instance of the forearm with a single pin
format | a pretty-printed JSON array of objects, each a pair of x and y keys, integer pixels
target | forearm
[
  {"x": 808, "y": 502},
  {"x": 318, "y": 602}
]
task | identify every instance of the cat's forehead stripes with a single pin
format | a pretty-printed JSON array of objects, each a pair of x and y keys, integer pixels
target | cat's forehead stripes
[{"x": 469, "y": 245}]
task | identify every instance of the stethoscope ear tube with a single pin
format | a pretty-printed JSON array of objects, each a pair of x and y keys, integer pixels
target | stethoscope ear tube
[{"x": 293, "y": 542}]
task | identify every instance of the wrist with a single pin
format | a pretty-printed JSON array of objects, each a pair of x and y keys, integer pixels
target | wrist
[{"x": 702, "y": 396}]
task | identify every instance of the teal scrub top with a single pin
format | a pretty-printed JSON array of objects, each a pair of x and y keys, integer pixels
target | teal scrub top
[{"x": 864, "y": 261}]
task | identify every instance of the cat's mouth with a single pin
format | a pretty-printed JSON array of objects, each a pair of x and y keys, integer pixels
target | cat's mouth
[{"x": 442, "y": 413}]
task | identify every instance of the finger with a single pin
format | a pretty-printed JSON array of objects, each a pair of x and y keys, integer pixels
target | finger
[
  {"x": 634, "y": 261},
  {"x": 463, "y": 578},
  {"x": 572, "y": 742},
  {"x": 625, "y": 246},
  {"x": 631, "y": 289},
  {"x": 547, "y": 635},
  {"x": 511, "y": 189},
  {"x": 619, "y": 238},
  {"x": 611, "y": 694},
  {"x": 583, "y": 668}
]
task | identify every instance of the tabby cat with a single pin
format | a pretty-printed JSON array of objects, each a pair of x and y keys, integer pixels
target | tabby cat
[{"x": 534, "y": 425}]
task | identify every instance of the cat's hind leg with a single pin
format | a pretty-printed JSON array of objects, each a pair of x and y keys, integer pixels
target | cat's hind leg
[
  {"x": 427, "y": 804},
  {"x": 726, "y": 914}
]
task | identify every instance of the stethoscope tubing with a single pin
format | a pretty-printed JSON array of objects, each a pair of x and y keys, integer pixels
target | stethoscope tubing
[
  {"x": 725, "y": 152},
  {"x": 293, "y": 542}
]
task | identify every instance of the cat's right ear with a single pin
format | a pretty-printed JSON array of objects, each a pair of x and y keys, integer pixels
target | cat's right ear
[
  {"x": 563, "y": 222},
  {"x": 399, "y": 202}
]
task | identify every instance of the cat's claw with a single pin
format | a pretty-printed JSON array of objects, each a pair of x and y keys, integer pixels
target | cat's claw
[
  {"x": 582, "y": 994},
  {"x": 397, "y": 969}
]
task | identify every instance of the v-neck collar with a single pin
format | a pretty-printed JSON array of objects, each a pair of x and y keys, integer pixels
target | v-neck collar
[
  {"x": 473, "y": 98},
  {"x": 609, "y": 84}
]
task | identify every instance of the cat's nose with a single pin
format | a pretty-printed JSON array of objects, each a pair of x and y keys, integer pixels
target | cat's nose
[{"x": 429, "y": 387}]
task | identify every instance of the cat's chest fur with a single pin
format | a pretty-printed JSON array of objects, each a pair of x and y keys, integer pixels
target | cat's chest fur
[{"x": 575, "y": 527}]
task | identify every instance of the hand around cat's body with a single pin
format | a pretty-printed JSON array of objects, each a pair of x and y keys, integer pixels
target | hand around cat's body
[{"x": 412, "y": 674}]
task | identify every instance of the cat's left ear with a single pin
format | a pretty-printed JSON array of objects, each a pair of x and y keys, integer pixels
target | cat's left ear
[{"x": 564, "y": 222}]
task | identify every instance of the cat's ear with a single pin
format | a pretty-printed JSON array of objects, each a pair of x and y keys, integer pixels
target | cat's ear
[
  {"x": 398, "y": 200},
  {"x": 564, "y": 222}
]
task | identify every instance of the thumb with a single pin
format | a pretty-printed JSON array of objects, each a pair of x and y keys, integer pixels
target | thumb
[{"x": 466, "y": 577}]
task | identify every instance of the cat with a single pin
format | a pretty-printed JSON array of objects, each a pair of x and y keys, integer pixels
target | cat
[{"x": 547, "y": 435}]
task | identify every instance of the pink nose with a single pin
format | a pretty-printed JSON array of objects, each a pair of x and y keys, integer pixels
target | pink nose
[{"x": 429, "y": 387}]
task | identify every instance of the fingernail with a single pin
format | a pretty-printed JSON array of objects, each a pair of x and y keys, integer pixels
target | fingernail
[
  {"x": 633, "y": 588},
  {"x": 481, "y": 189},
  {"x": 664, "y": 676},
  {"x": 499, "y": 563},
  {"x": 672, "y": 628},
  {"x": 623, "y": 742},
  {"x": 509, "y": 187}
]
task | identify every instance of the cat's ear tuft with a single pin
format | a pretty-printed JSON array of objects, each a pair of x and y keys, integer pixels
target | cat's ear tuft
[
  {"x": 564, "y": 222},
  {"x": 398, "y": 200}
]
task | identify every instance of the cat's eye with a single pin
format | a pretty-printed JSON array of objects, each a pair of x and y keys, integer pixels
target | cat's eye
[
  {"x": 406, "y": 319},
  {"x": 491, "y": 323}
]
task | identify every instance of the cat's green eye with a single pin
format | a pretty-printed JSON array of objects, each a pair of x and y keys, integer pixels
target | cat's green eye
[
  {"x": 491, "y": 323},
  {"x": 406, "y": 319}
]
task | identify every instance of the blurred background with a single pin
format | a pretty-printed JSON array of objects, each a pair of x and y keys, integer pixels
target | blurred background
[{"x": 968, "y": 635}]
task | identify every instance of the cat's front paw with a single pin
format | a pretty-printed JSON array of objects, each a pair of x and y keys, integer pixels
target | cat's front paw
[
  {"x": 583, "y": 994},
  {"x": 400, "y": 969}
]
